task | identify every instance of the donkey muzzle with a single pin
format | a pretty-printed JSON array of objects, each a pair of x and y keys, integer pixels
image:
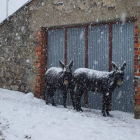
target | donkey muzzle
[
  {"x": 66, "y": 82},
  {"x": 119, "y": 82}
]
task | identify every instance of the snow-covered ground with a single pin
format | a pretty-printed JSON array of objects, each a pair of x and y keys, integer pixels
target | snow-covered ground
[{"x": 23, "y": 117}]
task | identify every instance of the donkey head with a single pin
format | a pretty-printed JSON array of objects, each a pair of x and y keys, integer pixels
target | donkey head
[
  {"x": 66, "y": 72},
  {"x": 119, "y": 73}
]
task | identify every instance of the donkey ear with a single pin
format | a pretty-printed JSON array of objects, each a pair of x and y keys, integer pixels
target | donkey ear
[
  {"x": 114, "y": 65},
  {"x": 62, "y": 65},
  {"x": 123, "y": 65},
  {"x": 71, "y": 64}
]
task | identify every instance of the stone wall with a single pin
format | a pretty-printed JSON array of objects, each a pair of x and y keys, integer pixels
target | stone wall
[
  {"x": 17, "y": 53},
  {"x": 64, "y": 12},
  {"x": 22, "y": 38}
]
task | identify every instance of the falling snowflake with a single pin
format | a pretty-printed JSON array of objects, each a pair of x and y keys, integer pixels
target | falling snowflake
[
  {"x": 123, "y": 17},
  {"x": 96, "y": 62},
  {"x": 81, "y": 35},
  {"x": 119, "y": 95},
  {"x": 27, "y": 60}
]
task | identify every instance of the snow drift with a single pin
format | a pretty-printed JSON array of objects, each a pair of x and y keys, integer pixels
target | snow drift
[{"x": 24, "y": 117}]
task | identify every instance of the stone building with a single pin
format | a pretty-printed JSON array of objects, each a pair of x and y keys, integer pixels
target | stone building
[{"x": 92, "y": 32}]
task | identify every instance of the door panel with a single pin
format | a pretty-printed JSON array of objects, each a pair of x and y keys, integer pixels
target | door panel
[
  {"x": 123, "y": 50},
  {"x": 55, "y": 52},
  {"x": 98, "y": 58},
  {"x": 76, "y": 50}
]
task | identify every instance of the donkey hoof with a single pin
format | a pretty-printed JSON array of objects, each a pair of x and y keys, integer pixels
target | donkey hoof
[
  {"x": 109, "y": 115},
  {"x": 79, "y": 109},
  {"x": 54, "y": 104},
  {"x": 104, "y": 115}
]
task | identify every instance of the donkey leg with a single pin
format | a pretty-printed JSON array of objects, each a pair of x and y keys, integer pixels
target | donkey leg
[
  {"x": 108, "y": 104},
  {"x": 73, "y": 98},
  {"x": 79, "y": 92},
  {"x": 47, "y": 95},
  {"x": 52, "y": 97},
  {"x": 103, "y": 105},
  {"x": 64, "y": 98}
]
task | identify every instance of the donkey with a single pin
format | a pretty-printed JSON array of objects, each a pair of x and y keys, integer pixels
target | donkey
[
  {"x": 98, "y": 81},
  {"x": 59, "y": 78}
]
